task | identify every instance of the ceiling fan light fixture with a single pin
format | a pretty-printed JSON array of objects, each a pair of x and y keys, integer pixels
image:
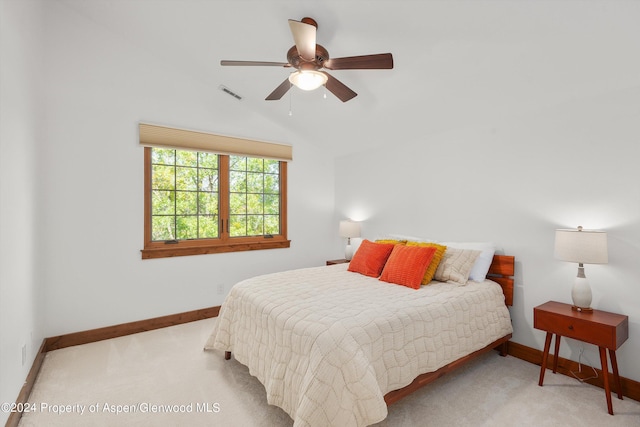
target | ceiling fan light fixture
[{"x": 308, "y": 79}]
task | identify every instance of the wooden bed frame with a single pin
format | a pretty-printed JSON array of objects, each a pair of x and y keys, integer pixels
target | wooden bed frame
[{"x": 501, "y": 271}]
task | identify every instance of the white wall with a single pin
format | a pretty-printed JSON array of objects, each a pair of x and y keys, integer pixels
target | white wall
[
  {"x": 99, "y": 86},
  {"x": 73, "y": 92},
  {"x": 21, "y": 321},
  {"x": 514, "y": 182}
]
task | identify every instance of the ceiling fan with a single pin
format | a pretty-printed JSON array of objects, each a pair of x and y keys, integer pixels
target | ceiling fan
[{"x": 308, "y": 58}]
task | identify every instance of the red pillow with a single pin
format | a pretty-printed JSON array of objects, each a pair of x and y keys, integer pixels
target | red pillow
[
  {"x": 370, "y": 257},
  {"x": 407, "y": 264}
]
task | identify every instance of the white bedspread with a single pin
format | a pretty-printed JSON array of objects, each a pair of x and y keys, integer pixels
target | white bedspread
[{"x": 328, "y": 344}]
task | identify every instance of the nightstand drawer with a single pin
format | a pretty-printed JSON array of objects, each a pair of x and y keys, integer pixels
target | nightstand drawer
[{"x": 579, "y": 329}]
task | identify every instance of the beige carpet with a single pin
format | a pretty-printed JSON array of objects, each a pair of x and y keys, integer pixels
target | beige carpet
[{"x": 168, "y": 367}]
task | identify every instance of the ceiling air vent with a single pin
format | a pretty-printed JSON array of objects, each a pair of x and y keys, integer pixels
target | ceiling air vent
[{"x": 230, "y": 92}]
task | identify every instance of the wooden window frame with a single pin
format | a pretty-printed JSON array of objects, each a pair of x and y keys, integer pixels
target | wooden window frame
[{"x": 224, "y": 243}]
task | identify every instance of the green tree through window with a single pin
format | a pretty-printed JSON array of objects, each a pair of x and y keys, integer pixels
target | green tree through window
[
  {"x": 185, "y": 199},
  {"x": 254, "y": 196}
]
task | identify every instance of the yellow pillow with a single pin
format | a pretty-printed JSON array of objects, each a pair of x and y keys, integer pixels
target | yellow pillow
[
  {"x": 392, "y": 241},
  {"x": 433, "y": 266}
]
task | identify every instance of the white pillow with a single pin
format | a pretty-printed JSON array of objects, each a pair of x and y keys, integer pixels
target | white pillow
[{"x": 483, "y": 262}]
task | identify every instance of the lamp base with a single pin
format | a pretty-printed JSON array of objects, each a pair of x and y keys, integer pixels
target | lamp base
[
  {"x": 582, "y": 309},
  {"x": 581, "y": 291},
  {"x": 348, "y": 252}
]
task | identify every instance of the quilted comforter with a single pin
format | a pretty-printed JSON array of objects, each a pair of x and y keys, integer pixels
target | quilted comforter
[{"x": 328, "y": 344}]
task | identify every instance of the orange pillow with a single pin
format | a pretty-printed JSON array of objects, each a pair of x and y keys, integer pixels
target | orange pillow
[
  {"x": 406, "y": 265},
  {"x": 370, "y": 257},
  {"x": 433, "y": 266}
]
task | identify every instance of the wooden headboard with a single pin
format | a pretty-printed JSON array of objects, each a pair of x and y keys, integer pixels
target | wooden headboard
[{"x": 502, "y": 271}]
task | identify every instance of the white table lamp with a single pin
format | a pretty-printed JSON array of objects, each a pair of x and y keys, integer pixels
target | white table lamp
[
  {"x": 349, "y": 229},
  {"x": 583, "y": 247}
]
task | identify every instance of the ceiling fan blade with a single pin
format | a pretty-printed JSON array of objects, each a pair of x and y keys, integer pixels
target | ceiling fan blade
[
  {"x": 304, "y": 36},
  {"x": 339, "y": 89},
  {"x": 381, "y": 61},
  {"x": 279, "y": 91},
  {"x": 255, "y": 63}
]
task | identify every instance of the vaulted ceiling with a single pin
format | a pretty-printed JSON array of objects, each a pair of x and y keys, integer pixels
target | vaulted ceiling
[{"x": 458, "y": 64}]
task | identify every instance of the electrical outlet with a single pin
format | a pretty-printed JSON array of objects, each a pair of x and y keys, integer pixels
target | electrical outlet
[
  {"x": 24, "y": 354},
  {"x": 220, "y": 289}
]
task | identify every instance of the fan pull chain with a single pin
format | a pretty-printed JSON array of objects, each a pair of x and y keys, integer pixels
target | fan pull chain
[{"x": 290, "y": 109}]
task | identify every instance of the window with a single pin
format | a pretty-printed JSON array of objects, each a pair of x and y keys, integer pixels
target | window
[
  {"x": 254, "y": 197},
  {"x": 184, "y": 195},
  {"x": 199, "y": 202}
]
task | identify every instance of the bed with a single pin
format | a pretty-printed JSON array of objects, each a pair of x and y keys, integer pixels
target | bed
[{"x": 335, "y": 347}]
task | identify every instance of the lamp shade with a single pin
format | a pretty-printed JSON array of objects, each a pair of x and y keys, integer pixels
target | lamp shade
[
  {"x": 349, "y": 229},
  {"x": 581, "y": 246}
]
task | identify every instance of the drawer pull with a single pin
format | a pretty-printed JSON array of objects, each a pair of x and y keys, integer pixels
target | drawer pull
[{"x": 571, "y": 327}]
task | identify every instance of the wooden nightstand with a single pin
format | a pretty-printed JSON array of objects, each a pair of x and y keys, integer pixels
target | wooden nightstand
[
  {"x": 337, "y": 261},
  {"x": 606, "y": 330}
]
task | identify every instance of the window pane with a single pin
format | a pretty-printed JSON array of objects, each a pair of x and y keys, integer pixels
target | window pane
[
  {"x": 238, "y": 182},
  {"x": 207, "y": 226},
  {"x": 254, "y": 204},
  {"x": 255, "y": 183},
  {"x": 255, "y": 165},
  {"x": 237, "y": 163},
  {"x": 238, "y": 225},
  {"x": 271, "y": 204},
  {"x": 187, "y": 158},
  {"x": 163, "y": 228},
  {"x": 208, "y": 160},
  {"x": 208, "y": 180},
  {"x": 272, "y": 184},
  {"x": 208, "y": 203},
  {"x": 186, "y": 178},
  {"x": 162, "y": 202},
  {"x": 186, "y": 227},
  {"x": 255, "y": 225},
  {"x": 163, "y": 177},
  {"x": 237, "y": 203},
  {"x": 163, "y": 156},
  {"x": 272, "y": 166},
  {"x": 186, "y": 203},
  {"x": 271, "y": 224}
]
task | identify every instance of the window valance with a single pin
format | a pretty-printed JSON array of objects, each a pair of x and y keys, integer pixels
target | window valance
[{"x": 182, "y": 139}]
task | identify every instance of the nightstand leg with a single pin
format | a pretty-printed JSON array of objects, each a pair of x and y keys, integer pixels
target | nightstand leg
[
  {"x": 545, "y": 354},
  {"x": 555, "y": 354},
  {"x": 605, "y": 378},
  {"x": 616, "y": 375}
]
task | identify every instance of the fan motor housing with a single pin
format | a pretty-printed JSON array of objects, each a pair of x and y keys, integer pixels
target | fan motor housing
[{"x": 294, "y": 58}]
